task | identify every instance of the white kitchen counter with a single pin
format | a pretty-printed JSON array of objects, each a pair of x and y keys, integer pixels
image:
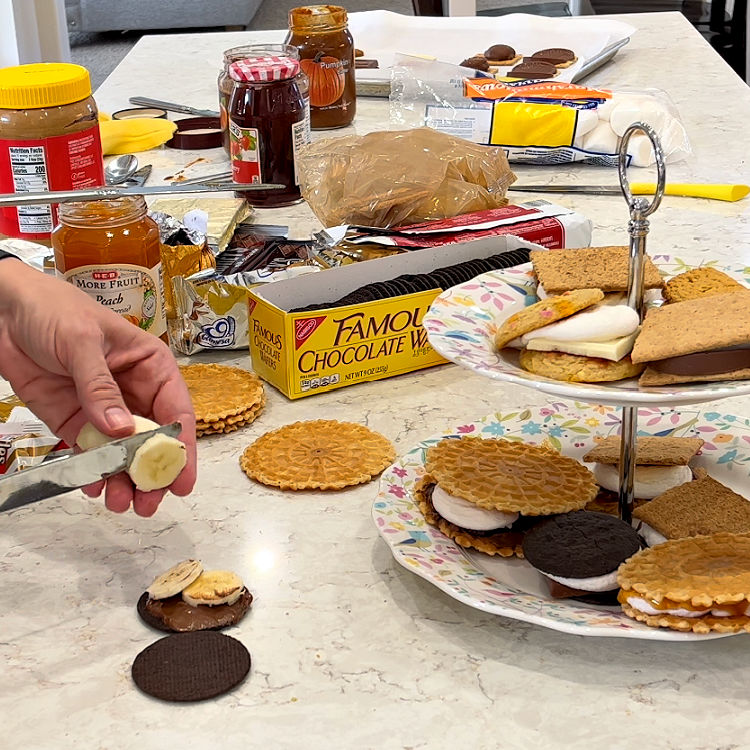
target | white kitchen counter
[{"x": 350, "y": 650}]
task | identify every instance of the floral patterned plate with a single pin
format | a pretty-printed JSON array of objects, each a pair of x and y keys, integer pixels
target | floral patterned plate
[
  {"x": 462, "y": 320},
  {"x": 511, "y": 587}
]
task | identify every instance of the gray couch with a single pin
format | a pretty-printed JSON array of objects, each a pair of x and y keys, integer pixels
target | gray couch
[{"x": 122, "y": 15}]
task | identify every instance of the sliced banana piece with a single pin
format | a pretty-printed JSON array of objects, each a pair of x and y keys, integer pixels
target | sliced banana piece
[
  {"x": 155, "y": 465},
  {"x": 175, "y": 579},
  {"x": 213, "y": 587}
]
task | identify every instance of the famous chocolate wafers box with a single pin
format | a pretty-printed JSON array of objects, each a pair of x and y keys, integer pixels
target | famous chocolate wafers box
[{"x": 302, "y": 347}]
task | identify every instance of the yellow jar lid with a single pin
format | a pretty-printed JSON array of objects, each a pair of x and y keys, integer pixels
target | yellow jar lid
[{"x": 43, "y": 85}]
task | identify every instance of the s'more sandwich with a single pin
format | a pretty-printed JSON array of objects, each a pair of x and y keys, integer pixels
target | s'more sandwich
[
  {"x": 702, "y": 506},
  {"x": 699, "y": 340},
  {"x": 660, "y": 463}
]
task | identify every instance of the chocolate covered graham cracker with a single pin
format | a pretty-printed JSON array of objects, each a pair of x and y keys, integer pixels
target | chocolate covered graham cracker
[{"x": 604, "y": 268}]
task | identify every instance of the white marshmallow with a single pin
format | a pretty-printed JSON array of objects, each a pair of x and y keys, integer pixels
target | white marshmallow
[
  {"x": 649, "y": 481},
  {"x": 644, "y": 109},
  {"x": 636, "y": 602},
  {"x": 468, "y": 515},
  {"x": 595, "y": 584},
  {"x": 604, "y": 110},
  {"x": 649, "y": 533},
  {"x": 541, "y": 292},
  {"x": 601, "y": 140},
  {"x": 641, "y": 151},
  {"x": 586, "y": 121},
  {"x": 599, "y": 323}
]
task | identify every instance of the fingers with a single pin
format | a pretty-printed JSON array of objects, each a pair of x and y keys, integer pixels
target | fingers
[
  {"x": 119, "y": 493},
  {"x": 146, "y": 503},
  {"x": 98, "y": 393},
  {"x": 93, "y": 490}
]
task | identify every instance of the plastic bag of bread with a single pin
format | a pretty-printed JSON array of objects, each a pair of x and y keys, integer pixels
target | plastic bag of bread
[{"x": 388, "y": 178}]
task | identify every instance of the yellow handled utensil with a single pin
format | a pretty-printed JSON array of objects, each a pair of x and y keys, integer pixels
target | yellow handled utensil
[{"x": 714, "y": 192}]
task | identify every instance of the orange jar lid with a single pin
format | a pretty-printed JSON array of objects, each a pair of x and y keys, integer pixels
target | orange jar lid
[
  {"x": 42, "y": 85},
  {"x": 316, "y": 18}
]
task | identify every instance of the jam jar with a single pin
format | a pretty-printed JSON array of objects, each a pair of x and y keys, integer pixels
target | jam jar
[
  {"x": 269, "y": 120},
  {"x": 110, "y": 249},
  {"x": 326, "y": 52},
  {"x": 226, "y": 84}
]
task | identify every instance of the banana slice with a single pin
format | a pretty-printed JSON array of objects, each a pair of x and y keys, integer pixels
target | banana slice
[
  {"x": 155, "y": 465},
  {"x": 213, "y": 587},
  {"x": 175, "y": 579}
]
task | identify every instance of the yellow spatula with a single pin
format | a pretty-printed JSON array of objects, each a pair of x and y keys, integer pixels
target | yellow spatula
[{"x": 714, "y": 192}]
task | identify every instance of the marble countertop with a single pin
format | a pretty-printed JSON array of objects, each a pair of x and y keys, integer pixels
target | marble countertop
[{"x": 349, "y": 649}]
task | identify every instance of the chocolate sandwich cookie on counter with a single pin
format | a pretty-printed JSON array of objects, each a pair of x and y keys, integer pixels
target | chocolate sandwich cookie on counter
[{"x": 485, "y": 493}]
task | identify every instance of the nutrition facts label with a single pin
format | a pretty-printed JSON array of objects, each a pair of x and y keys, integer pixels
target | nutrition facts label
[{"x": 29, "y": 169}]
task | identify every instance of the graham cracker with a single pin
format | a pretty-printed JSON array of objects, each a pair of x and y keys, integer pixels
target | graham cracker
[
  {"x": 502, "y": 543},
  {"x": 696, "y": 325},
  {"x": 219, "y": 391},
  {"x": 649, "y": 451},
  {"x": 604, "y": 268},
  {"x": 703, "y": 506},
  {"x": 322, "y": 454},
  {"x": 700, "y": 282},
  {"x": 575, "y": 368},
  {"x": 544, "y": 312},
  {"x": 652, "y": 377},
  {"x": 510, "y": 476}
]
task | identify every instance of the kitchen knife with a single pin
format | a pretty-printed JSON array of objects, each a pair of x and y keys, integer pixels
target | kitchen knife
[
  {"x": 61, "y": 475},
  {"x": 139, "y": 177},
  {"x": 144, "y": 101},
  {"x": 117, "y": 191},
  {"x": 688, "y": 190}
]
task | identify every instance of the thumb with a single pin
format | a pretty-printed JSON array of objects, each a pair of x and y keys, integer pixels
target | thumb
[{"x": 98, "y": 393}]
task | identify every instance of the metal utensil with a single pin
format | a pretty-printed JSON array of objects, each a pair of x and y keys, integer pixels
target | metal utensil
[
  {"x": 139, "y": 177},
  {"x": 690, "y": 190},
  {"x": 61, "y": 475},
  {"x": 144, "y": 101},
  {"x": 597, "y": 61},
  {"x": 117, "y": 191},
  {"x": 120, "y": 169},
  {"x": 206, "y": 179}
]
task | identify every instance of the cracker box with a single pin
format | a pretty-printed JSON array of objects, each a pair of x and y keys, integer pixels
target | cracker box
[{"x": 310, "y": 352}]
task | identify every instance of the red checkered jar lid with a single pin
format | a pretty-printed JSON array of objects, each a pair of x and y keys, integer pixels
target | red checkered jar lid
[{"x": 264, "y": 69}]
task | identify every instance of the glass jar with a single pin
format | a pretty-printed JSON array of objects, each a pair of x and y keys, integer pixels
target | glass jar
[
  {"x": 326, "y": 53},
  {"x": 111, "y": 250},
  {"x": 226, "y": 84},
  {"x": 49, "y": 140},
  {"x": 269, "y": 119}
]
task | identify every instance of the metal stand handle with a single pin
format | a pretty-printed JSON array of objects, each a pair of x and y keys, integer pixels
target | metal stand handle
[{"x": 638, "y": 227}]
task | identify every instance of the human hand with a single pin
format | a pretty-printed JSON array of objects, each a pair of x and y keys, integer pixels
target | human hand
[{"x": 73, "y": 361}]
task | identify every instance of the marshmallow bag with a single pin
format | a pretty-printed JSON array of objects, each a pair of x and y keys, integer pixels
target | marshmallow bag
[{"x": 536, "y": 122}]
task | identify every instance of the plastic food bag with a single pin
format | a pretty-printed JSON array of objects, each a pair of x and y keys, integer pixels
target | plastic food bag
[
  {"x": 536, "y": 122},
  {"x": 384, "y": 179}
]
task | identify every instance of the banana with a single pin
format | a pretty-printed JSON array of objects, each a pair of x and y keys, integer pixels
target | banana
[
  {"x": 175, "y": 579},
  {"x": 155, "y": 465},
  {"x": 213, "y": 587}
]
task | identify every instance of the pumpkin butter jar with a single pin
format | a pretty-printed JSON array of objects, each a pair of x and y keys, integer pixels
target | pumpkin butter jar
[{"x": 326, "y": 51}]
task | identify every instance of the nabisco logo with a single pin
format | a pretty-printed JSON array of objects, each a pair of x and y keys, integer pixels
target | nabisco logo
[{"x": 304, "y": 328}]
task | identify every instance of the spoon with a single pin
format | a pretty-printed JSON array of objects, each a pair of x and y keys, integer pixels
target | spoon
[{"x": 120, "y": 169}]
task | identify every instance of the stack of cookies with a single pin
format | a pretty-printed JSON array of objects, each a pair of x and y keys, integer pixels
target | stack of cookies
[{"x": 224, "y": 398}]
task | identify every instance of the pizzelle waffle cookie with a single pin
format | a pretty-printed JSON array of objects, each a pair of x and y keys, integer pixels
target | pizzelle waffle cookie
[
  {"x": 224, "y": 398},
  {"x": 701, "y": 583},
  {"x": 509, "y": 476},
  {"x": 544, "y": 312},
  {"x": 504, "y": 543},
  {"x": 322, "y": 454}
]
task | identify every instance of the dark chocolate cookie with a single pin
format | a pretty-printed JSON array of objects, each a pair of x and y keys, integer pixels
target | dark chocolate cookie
[{"x": 581, "y": 544}]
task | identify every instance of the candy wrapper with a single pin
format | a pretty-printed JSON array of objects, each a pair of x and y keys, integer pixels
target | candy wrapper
[{"x": 27, "y": 442}]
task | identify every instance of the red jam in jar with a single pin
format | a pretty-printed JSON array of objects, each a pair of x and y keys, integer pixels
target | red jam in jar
[{"x": 269, "y": 120}]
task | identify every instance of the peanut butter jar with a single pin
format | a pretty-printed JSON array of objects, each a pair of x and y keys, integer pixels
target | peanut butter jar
[{"x": 49, "y": 140}]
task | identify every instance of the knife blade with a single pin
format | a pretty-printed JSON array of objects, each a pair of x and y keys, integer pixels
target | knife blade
[
  {"x": 720, "y": 192},
  {"x": 61, "y": 475},
  {"x": 117, "y": 191},
  {"x": 139, "y": 177},
  {"x": 145, "y": 101}
]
